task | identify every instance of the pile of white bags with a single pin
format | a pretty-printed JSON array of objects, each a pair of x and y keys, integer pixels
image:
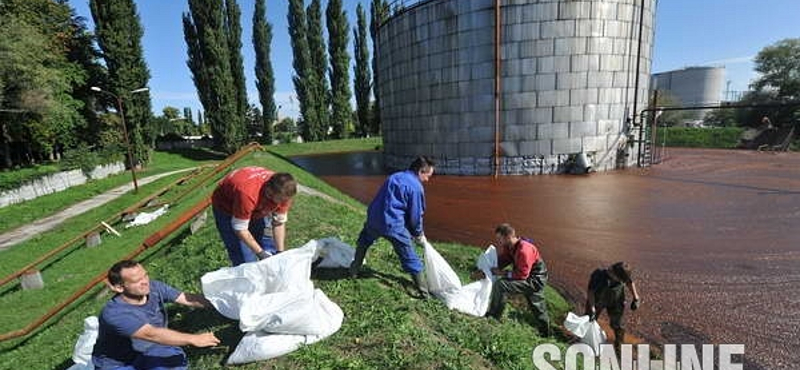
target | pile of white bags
[
  {"x": 473, "y": 298},
  {"x": 589, "y": 331},
  {"x": 275, "y": 301},
  {"x": 82, "y": 355}
]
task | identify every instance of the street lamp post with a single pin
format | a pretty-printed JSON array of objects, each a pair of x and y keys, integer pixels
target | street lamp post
[{"x": 125, "y": 129}]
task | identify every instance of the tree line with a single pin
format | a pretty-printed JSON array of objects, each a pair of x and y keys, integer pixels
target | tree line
[{"x": 67, "y": 89}]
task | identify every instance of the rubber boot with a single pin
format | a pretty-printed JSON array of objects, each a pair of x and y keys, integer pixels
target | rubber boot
[
  {"x": 619, "y": 339},
  {"x": 355, "y": 266},
  {"x": 422, "y": 284}
]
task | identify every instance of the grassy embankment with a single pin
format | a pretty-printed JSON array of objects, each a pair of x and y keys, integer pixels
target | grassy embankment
[{"x": 384, "y": 327}]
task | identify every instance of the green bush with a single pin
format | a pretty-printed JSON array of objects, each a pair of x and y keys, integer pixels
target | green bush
[
  {"x": 81, "y": 157},
  {"x": 718, "y": 137}
]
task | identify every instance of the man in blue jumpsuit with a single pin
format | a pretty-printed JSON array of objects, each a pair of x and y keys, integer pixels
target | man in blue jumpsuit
[{"x": 396, "y": 215}]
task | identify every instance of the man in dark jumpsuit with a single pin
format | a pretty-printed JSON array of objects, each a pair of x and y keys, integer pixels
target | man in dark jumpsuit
[
  {"x": 528, "y": 276},
  {"x": 607, "y": 291}
]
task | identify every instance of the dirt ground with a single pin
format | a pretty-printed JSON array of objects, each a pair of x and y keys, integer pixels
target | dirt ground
[{"x": 712, "y": 235}]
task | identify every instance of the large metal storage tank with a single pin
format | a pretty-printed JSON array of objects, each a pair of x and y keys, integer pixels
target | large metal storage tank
[
  {"x": 693, "y": 86},
  {"x": 567, "y": 81}
]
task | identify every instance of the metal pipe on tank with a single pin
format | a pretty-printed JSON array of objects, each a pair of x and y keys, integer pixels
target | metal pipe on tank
[
  {"x": 636, "y": 83},
  {"x": 497, "y": 80}
]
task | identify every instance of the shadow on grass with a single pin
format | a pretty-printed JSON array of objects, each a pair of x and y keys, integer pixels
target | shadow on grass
[{"x": 190, "y": 320}]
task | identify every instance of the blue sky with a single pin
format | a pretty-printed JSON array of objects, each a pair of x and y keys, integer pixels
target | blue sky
[{"x": 688, "y": 33}]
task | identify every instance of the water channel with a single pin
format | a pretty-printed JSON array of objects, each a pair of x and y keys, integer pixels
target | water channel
[{"x": 712, "y": 235}]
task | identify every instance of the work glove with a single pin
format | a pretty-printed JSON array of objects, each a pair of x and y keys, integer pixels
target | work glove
[
  {"x": 421, "y": 239},
  {"x": 477, "y": 275},
  {"x": 634, "y": 305},
  {"x": 263, "y": 255}
]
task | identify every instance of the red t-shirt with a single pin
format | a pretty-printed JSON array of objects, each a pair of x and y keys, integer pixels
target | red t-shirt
[
  {"x": 523, "y": 255},
  {"x": 240, "y": 195}
]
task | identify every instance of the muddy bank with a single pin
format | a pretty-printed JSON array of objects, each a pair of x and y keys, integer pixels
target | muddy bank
[{"x": 713, "y": 235}]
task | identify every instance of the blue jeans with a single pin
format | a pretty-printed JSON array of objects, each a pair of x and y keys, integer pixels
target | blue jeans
[
  {"x": 238, "y": 251},
  {"x": 157, "y": 357},
  {"x": 402, "y": 247},
  {"x": 161, "y": 357}
]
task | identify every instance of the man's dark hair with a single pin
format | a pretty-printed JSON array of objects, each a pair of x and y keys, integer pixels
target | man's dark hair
[
  {"x": 283, "y": 183},
  {"x": 623, "y": 271},
  {"x": 115, "y": 272},
  {"x": 505, "y": 230},
  {"x": 421, "y": 164}
]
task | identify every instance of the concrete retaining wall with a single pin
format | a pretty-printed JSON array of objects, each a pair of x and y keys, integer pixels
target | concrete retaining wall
[{"x": 56, "y": 182}]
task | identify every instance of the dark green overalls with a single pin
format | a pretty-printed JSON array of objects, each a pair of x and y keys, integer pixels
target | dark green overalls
[{"x": 609, "y": 295}]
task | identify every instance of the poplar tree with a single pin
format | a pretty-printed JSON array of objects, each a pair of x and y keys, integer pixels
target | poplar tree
[
  {"x": 338, "y": 35},
  {"x": 318, "y": 78},
  {"x": 298, "y": 33},
  {"x": 363, "y": 79},
  {"x": 233, "y": 31},
  {"x": 204, "y": 29},
  {"x": 119, "y": 36},
  {"x": 265, "y": 80},
  {"x": 379, "y": 13}
]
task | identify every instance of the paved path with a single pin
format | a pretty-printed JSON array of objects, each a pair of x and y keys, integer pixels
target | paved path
[{"x": 25, "y": 232}]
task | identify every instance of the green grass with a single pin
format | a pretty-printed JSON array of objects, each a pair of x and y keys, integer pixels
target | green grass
[
  {"x": 723, "y": 138},
  {"x": 15, "y": 215},
  {"x": 331, "y": 146},
  {"x": 384, "y": 326}
]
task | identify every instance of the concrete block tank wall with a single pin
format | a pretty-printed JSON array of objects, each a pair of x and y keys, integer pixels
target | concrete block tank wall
[{"x": 568, "y": 73}]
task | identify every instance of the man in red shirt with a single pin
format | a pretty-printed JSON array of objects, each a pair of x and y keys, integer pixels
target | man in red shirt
[
  {"x": 245, "y": 203},
  {"x": 528, "y": 276}
]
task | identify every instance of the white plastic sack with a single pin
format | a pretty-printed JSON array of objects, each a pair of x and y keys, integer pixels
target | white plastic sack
[
  {"x": 229, "y": 287},
  {"x": 334, "y": 253},
  {"x": 301, "y": 313},
  {"x": 473, "y": 298},
  {"x": 587, "y": 330},
  {"x": 82, "y": 354},
  {"x": 441, "y": 277},
  {"x": 275, "y": 300},
  {"x": 145, "y": 218},
  {"x": 259, "y": 345}
]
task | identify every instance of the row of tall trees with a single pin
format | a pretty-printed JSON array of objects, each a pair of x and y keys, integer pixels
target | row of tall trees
[
  {"x": 62, "y": 86},
  {"x": 323, "y": 89}
]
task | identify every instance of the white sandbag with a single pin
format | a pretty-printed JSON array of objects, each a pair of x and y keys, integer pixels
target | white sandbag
[
  {"x": 441, "y": 277},
  {"x": 473, "y": 298},
  {"x": 589, "y": 331},
  {"x": 228, "y": 287},
  {"x": 82, "y": 354},
  {"x": 276, "y": 302},
  {"x": 487, "y": 261},
  {"x": 145, "y": 218},
  {"x": 259, "y": 346},
  {"x": 334, "y": 253},
  {"x": 301, "y": 313}
]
